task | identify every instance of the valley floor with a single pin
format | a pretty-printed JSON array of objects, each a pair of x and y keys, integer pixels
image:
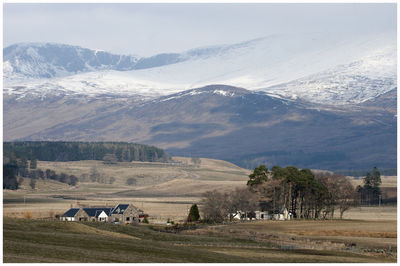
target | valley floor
[{"x": 164, "y": 191}]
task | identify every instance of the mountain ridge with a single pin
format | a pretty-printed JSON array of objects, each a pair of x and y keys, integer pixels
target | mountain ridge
[
  {"x": 222, "y": 122},
  {"x": 315, "y": 68}
]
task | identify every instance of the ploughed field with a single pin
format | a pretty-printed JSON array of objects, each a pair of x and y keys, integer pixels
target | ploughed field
[{"x": 258, "y": 241}]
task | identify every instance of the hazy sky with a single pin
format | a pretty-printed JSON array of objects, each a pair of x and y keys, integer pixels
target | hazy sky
[{"x": 148, "y": 29}]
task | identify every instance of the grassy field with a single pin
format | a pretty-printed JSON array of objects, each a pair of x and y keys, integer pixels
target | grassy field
[{"x": 54, "y": 241}]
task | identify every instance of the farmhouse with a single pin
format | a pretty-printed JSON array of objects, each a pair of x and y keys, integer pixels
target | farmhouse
[
  {"x": 124, "y": 213},
  {"x": 281, "y": 215}
]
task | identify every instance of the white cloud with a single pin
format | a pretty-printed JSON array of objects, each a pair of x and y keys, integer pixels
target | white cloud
[{"x": 147, "y": 29}]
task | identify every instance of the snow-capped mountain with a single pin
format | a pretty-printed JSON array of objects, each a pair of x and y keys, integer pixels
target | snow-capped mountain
[
  {"x": 61, "y": 92},
  {"x": 318, "y": 68},
  {"x": 48, "y": 60}
]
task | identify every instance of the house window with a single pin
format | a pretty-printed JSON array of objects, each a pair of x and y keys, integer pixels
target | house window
[{"x": 127, "y": 219}]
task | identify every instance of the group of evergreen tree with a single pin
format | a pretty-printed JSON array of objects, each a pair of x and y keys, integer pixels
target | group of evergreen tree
[
  {"x": 298, "y": 191},
  {"x": 370, "y": 192},
  {"x": 304, "y": 194},
  {"x": 76, "y": 151},
  {"x": 308, "y": 195}
]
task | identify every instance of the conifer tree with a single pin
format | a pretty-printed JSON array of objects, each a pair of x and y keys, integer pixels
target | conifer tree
[
  {"x": 259, "y": 176},
  {"x": 194, "y": 214}
]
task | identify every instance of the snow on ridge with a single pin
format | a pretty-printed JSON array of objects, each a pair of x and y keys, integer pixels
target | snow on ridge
[
  {"x": 352, "y": 83},
  {"x": 194, "y": 92},
  {"x": 224, "y": 93}
]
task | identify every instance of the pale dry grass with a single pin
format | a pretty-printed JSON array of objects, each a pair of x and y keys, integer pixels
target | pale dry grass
[
  {"x": 387, "y": 181},
  {"x": 214, "y": 164},
  {"x": 187, "y": 187},
  {"x": 147, "y": 173},
  {"x": 293, "y": 257},
  {"x": 383, "y": 213},
  {"x": 313, "y": 234},
  {"x": 163, "y": 190},
  {"x": 356, "y": 233}
]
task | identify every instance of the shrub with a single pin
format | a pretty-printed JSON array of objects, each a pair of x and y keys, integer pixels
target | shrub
[
  {"x": 28, "y": 215},
  {"x": 131, "y": 181}
]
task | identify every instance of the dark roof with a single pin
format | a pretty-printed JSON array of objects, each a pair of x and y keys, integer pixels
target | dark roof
[
  {"x": 120, "y": 209},
  {"x": 70, "y": 212},
  {"x": 95, "y": 212}
]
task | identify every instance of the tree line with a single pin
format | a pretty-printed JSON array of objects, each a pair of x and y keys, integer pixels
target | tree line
[
  {"x": 76, "y": 151},
  {"x": 304, "y": 194}
]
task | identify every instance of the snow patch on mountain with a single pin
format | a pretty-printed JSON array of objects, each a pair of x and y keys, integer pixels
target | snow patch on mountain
[
  {"x": 89, "y": 84},
  {"x": 356, "y": 82},
  {"x": 221, "y": 92}
]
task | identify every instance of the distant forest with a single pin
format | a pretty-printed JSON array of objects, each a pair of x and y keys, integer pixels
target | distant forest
[{"x": 76, "y": 151}]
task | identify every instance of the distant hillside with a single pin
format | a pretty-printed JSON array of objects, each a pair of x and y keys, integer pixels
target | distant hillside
[
  {"x": 76, "y": 151},
  {"x": 221, "y": 122}
]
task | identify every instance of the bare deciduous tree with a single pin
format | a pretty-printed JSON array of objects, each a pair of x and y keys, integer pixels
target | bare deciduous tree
[
  {"x": 341, "y": 193},
  {"x": 242, "y": 200},
  {"x": 346, "y": 196},
  {"x": 215, "y": 206},
  {"x": 32, "y": 183},
  {"x": 94, "y": 174},
  {"x": 196, "y": 161}
]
